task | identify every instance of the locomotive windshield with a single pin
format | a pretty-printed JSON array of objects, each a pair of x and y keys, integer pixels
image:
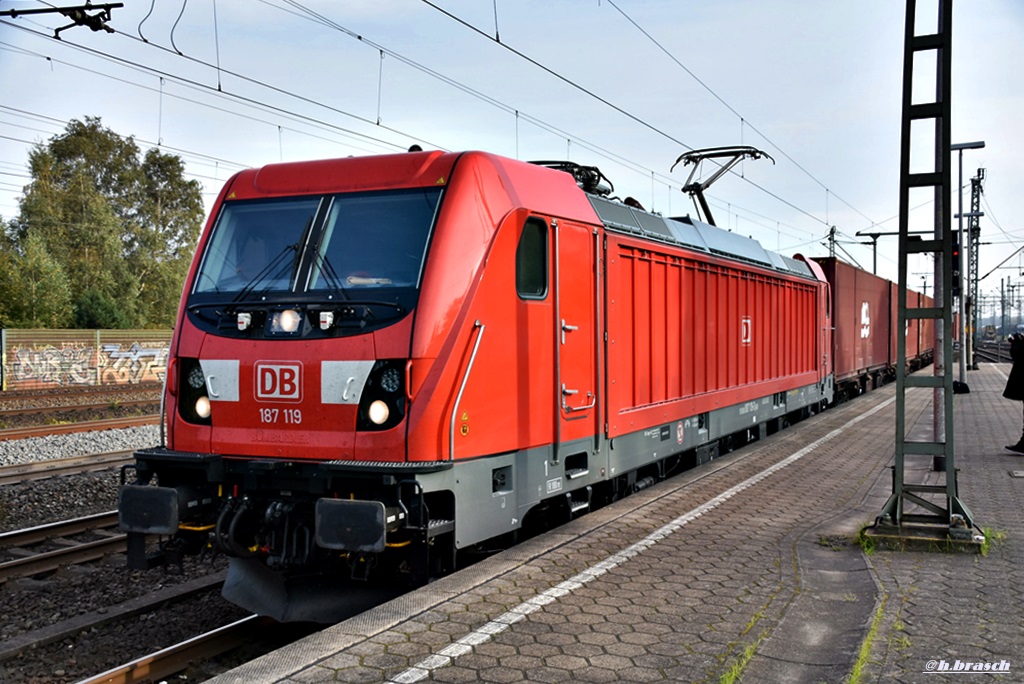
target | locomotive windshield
[
  {"x": 366, "y": 250},
  {"x": 256, "y": 244},
  {"x": 374, "y": 240},
  {"x": 364, "y": 240}
]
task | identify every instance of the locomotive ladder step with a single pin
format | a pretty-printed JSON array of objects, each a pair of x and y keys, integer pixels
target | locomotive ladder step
[
  {"x": 579, "y": 500},
  {"x": 436, "y": 527}
]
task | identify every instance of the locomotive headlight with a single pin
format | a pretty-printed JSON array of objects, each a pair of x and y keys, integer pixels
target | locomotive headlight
[
  {"x": 286, "y": 321},
  {"x": 203, "y": 407},
  {"x": 378, "y": 412},
  {"x": 193, "y": 399},
  {"x": 382, "y": 405}
]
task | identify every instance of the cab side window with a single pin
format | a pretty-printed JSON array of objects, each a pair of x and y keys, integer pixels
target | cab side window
[{"x": 532, "y": 260}]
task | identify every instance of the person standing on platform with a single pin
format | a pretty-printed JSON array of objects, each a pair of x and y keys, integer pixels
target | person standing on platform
[{"x": 1015, "y": 383}]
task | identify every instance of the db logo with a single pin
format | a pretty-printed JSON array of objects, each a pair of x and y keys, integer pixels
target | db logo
[{"x": 279, "y": 381}]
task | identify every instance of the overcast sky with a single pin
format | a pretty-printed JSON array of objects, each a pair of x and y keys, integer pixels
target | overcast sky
[{"x": 626, "y": 85}]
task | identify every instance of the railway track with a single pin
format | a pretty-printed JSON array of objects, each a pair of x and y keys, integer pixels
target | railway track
[
  {"x": 27, "y": 563},
  {"x": 110, "y": 616},
  {"x": 84, "y": 426},
  {"x": 40, "y": 470},
  {"x": 78, "y": 408},
  {"x": 993, "y": 353},
  {"x": 174, "y": 659},
  {"x": 49, "y": 394}
]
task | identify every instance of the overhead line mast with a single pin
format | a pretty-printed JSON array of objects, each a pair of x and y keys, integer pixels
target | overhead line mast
[{"x": 915, "y": 510}]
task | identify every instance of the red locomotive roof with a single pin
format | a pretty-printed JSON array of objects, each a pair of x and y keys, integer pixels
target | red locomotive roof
[{"x": 406, "y": 170}]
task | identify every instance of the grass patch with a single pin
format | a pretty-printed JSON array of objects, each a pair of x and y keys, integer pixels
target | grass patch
[
  {"x": 865, "y": 648},
  {"x": 865, "y": 542},
  {"x": 732, "y": 675},
  {"x": 991, "y": 536}
]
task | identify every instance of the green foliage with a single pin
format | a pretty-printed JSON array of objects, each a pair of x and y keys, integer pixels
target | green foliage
[
  {"x": 991, "y": 536},
  {"x": 864, "y": 541},
  {"x": 94, "y": 309},
  {"x": 39, "y": 291},
  {"x": 119, "y": 226}
]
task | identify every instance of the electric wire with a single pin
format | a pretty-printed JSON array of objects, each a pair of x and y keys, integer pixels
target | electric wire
[
  {"x": 599, "y": 98},
  {"x": 302, "y": 10},
  {"x": 452, "y": 82},
  {"x": 201, "y": 87},
  {"x": 743, "y": 120}
]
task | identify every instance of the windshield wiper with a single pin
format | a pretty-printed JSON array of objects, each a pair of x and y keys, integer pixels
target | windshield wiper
[
  {"x": 264, "y": 272},
  {"x": 330, "y": 275}
]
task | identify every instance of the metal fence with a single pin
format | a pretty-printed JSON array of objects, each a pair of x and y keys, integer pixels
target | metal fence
[{"x": 40, "y": 359}]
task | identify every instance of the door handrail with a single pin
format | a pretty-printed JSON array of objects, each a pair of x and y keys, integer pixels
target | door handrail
[{"x": 479, "y": 327}]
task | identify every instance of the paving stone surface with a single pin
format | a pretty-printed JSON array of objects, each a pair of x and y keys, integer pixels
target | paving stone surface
[{"x": 744, "y": 568}]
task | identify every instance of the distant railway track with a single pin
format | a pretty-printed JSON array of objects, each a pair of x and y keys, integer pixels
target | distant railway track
[
  {"x": 84, "y": 426},
  {"x": 993, "y": 353},
  {"x": 79, "y": 408},
  {"x": 40, "y": 470},
  {"x": 72, "y": 392},
  {"x": 67, "y": 552}
]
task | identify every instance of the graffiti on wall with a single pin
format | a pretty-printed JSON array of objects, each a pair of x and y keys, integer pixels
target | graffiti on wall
[
  {"x": 77, "y": 364},
  {"x": 131, "y": 366}
]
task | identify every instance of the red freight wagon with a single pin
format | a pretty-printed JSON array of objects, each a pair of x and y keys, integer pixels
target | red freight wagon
[
  {"x": 863, "y": 353},
  {"x": 920, "y": 332},
  {"x": 381, "y": 361}
]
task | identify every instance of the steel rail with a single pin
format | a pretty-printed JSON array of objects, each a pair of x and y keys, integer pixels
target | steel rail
[
  {"x": 85, "y": 426},
  {"x": 40, "y": 470},
  {"x": 52, "y": 560},
  {"x": 34, "y": 535},
  {"x": 77, "y": 391},
  {"x": 173, "y": 659},
  {"x": 78, "y": 408}
]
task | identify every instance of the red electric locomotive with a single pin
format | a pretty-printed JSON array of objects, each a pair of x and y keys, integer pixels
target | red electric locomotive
[{"x": 381, "y": 361}]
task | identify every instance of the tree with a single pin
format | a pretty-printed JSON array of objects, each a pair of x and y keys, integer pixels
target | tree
[
  {"x": 121, "y": 226},
  {"x": 39, "y": 295}
]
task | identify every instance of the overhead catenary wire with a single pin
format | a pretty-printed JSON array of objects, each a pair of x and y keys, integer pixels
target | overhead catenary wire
[
  {"x": 320, "y": 18},
  {"x": 744, "y": 122},
  {"x": 520, "y": 116},
  {"x": 210, "y": 90}
]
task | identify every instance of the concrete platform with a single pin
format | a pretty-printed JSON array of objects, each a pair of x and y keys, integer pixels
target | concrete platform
[{"x": 744, "y": 569}]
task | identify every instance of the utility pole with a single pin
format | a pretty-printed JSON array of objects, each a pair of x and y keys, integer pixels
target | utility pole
[
  {"x": 958, "y": 289},
  {"x": 974, "y": 236},
  {"x": 917, "y": 508}
]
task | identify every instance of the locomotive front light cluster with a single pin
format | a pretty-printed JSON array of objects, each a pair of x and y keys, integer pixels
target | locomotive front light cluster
[
  {"x": 285, "y": 322},
  {"x": 382, "y": 405},
  {"x": 194, "y": 402}
]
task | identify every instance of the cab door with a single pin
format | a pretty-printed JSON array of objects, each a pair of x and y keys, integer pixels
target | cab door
[{"x": 576, "y": 331}]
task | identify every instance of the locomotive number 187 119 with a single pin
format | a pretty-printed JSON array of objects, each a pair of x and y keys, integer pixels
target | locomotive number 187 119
[{"x": 289, "y": 416}]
